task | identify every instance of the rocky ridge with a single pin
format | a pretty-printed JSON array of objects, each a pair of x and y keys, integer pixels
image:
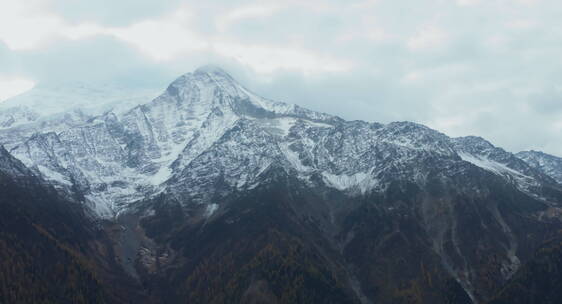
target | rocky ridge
[
  {"x": 548, "y": 164},
  {"x": 206, "y": 126},
  {"x": 207, "y": 153}
]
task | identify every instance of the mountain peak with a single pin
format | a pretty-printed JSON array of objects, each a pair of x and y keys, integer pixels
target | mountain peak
[
  {"x": 208, "y": 85},
  {"x": 205, "y": 76},
  {"x": 211, "y": 69}
]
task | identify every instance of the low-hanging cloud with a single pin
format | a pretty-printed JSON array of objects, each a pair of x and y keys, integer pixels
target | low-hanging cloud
[{"x": 487, "y": 68}]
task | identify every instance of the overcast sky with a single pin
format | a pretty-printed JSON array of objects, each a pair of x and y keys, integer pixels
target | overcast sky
[{"x": 465, "y": 67}]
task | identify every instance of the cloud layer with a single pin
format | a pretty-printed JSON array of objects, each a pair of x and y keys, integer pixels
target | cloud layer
[{"x": 487, "y": 68}]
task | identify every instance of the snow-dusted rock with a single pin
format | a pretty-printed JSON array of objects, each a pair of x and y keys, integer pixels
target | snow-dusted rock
[
  {"x": 207, "y": 135},
  {"x": 546, "y": 163}
]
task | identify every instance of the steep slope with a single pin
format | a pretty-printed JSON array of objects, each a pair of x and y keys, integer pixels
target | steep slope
[
  {"x": 527, "y": 177},
  {"x": 57, "y": 107},
  {"x": 282, "y": 242},
  {"x": 539, "y": 280},
  {"x": 467, "y": 232},
  {"x": 50, "y": 251},
  {"x": 547, "y": 164},
  {"x": 17, "y": 115},
  {"x": 113, "y": 160},
  {"x": 227, "y": 196}
]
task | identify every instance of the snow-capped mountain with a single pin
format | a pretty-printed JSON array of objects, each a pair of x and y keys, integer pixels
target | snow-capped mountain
[
  {"x": 546, "y": 163},
  {"x": 207, "y": 128},
  {"x": 217, "y": 187},
  {"x": 49, "y": 99},
  {"x": 49, "y": 238},
  {"x": 18, "y": 115},
  {"x": 58, "y": 107}
]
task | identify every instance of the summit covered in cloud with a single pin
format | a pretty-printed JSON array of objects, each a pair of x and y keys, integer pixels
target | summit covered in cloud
[{"x": 464, "y": 67}]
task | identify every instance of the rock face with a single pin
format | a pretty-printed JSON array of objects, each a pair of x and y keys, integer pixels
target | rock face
[
  {"x": 206, "y": 127},
  {"x": 547, "y": 164},
  {"x": 51, "y": 251},
  {"x": 539, "y": 280},
  {"x": 241, "y": 198}
]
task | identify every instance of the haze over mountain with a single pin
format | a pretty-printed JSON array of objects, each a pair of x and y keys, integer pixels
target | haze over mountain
[{"x": 227, "y": 196}]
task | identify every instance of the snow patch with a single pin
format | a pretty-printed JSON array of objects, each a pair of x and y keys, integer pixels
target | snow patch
[
  {"x": 51, "y": 175},
  {"x": 210, "y": 210},
  {"x": 522, "y": 181},
  {"x": 285, "y": 124},
  {"x": 360, "y": 181},
  {"x": 489, "y": 165},
  {"x": 318, "y": 124},
  {"x": 161, "y": 176},
  {"x": 293, "y": 158},
  {"x": 100, "y": 206}
]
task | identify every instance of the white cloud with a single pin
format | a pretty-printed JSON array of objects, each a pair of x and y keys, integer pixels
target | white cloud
[
  {"x": 259, "y": 10},
  {"x": 468, "y": 2},
  {"x": 528, "y": 2},
  {"x": 463, "y": 66},
  {"x": 503, "y": 2},
  {"x": 522, "y": 24},
  {"x": 10, "y": 87},
  {"x": 23, "y": 25},
  {"x": 365, "y": 4},
  {"x": 268, "y": 59},
  {"x": 429, "y": 37},
  {"x": 168, "y": 37},
  {"x": 164, "y": 38},
  {"x": 161, "y": 39}
]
